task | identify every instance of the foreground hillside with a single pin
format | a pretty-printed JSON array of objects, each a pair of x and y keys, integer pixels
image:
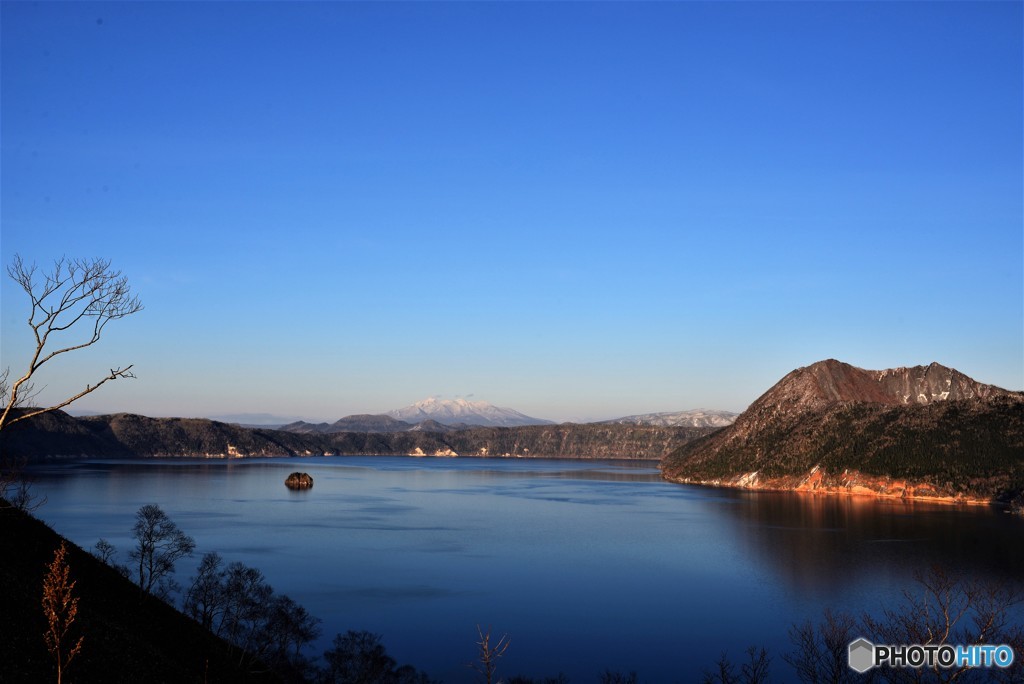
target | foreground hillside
[
  {"x": 131, "y": 436},
  {"x": 923, "y": 432},
  {"x": 129, "y": 637}
]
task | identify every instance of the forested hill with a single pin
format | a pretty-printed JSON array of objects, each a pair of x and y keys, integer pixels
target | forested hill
[
  {"x": 125, "y": 435},
  {"x": 922, "y": 432},
  {"x": 128, "y": 636}
]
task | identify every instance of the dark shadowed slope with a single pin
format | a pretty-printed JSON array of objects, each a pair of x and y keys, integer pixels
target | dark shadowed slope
[{"x": 128, "y": 637}]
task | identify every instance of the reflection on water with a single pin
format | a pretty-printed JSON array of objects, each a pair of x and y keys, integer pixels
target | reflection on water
[
  {"x": 826, "y": 543},
  {"x": 587, "y": 565}
]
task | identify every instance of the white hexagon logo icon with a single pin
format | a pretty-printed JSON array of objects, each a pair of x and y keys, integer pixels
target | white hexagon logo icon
[{"x": 862, "y": 655}]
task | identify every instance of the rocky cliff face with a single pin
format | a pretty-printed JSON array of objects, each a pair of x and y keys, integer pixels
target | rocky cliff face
[{"x": 834, "y": 427}]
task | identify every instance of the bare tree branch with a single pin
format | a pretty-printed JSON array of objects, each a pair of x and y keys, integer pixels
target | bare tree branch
[
  {"x": 16, "y": 485},
  {"x": 85, "y": 293}
]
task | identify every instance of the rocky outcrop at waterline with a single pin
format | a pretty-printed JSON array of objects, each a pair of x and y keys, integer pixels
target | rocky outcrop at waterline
[{"x": 299, "y": 480}]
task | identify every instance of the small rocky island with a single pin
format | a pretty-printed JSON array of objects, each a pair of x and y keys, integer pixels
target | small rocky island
[{"x": 299, "y": 481}]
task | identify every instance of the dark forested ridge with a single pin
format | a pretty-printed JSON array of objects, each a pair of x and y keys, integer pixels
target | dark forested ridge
[
  {"x": 126, "y": 634},
  {"x": 924, "y": 431},
  {"x": 125, "y": 435}
]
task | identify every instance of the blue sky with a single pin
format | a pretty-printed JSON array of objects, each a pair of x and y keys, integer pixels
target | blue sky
[{"x": 578, "y": 210}]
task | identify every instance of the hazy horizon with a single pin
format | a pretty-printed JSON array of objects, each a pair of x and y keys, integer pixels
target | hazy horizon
[
  {"x": 581, "y": 211},
  {"x": 263, "y": 418}
]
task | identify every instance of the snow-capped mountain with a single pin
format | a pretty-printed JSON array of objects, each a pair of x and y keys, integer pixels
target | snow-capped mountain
[
  {"x": 460, "y": 411},
  {"x": 694, "y": 418}
]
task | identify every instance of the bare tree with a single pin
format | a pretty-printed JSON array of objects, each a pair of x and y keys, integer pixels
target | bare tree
[
  {"x": 246, "y": 598},
  {"x": 821, "y": 653},
  {"x": 15, "y": 485},
  {"x": 488, "y": 655},
  {"x": 360, "y": 658},
  {"x": 237, "y": 604},
  {"x": 60, "y": 608},
  {"x": 951, "y": 609},
  {"x": 754, "y": 671},
  {"x": 160, "y": 545},
  {"x": 289, "y": 629},
  {"x": 77, "y": 293},
  {"x": 944, "y": 609},
  {"x": 616, "y": 677},
  {"x": 106, "y": 553},
  {"x": 206, "y": 599}
]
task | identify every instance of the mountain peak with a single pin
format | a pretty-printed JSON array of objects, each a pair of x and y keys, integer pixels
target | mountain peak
[
  {"x": 927, "y": 431},
  {"x": 830, "y": 382},
  {"x": 434, "y": 403},
  {"x": 463, "y": 412}
]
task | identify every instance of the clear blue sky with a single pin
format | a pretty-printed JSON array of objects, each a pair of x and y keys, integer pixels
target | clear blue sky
[{"x": 576, "y": 210}]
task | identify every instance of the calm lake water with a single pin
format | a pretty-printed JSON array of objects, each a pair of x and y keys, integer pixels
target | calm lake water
[{"x": 586, "y": 565}]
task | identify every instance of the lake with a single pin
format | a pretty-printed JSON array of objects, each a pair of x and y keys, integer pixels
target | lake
[{"x": 586, "y": 565}]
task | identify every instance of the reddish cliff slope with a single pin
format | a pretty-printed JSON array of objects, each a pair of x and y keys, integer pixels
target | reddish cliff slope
[{"x": 923, "y": 432}]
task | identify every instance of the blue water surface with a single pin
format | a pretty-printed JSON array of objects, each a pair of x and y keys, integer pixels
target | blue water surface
[{"x": 586, "y": 565}]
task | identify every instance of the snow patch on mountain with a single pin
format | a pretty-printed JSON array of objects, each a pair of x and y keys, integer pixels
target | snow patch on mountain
[
  {"x": 461, "y": 411},
  {"x": 692, "y": 418}
]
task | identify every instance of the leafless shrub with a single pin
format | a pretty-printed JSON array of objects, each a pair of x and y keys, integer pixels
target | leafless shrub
[
  {"x": 753, "y": 671},
  {"x": 60, "y": 607},
  {"x": 488, "y": 655}
]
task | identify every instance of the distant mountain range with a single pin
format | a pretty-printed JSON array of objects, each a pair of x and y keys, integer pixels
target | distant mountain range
[
  {"x": 693, "y": 418},
  {"x": 249, "y": 419},
  {"x": 430, "y": 415},
  {"x": 921, "y": 432},
  {"x": 462, "y": 412},
  {"x": 125, "y": 435},
  {"x": 358, "y": 423},
  {"x": 445, "y": 415}
]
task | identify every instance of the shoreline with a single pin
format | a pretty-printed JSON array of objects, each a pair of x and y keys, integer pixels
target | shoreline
[{"x": 851, "y": 484}]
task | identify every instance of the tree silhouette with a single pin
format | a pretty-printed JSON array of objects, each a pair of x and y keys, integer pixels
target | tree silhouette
[{"x": 160, "y": 545}]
